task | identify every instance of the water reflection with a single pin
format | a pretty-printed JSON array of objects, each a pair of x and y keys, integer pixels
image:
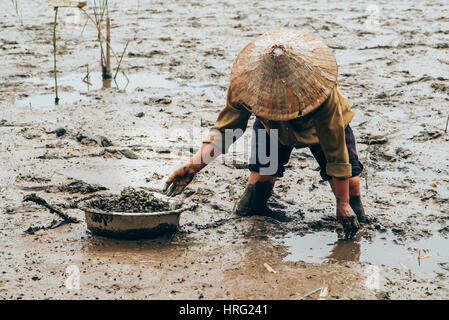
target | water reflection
[
  {"x": 382, "y": 249},
  {"x": 106, "y": 83},
  {"x": 76, "y": 86},
  {"x": 346, "y": 250},
  {"x": 130, "y": 251}
]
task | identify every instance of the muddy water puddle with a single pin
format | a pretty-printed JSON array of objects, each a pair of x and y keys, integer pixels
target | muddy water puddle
[
  {"x": 76, "y": 87},
  {"x": 132, "y": 252},
  {"x": 81, "y": 85},
  {"x": 47, "y": 101},
  {"x": 380, "y": 250}
]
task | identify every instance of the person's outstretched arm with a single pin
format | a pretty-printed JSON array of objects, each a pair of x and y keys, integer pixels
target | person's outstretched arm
[
  {"x": 230, "y": 125},
  {"x": 181, "y": 177},
  {"x": 330, "y": 129}
]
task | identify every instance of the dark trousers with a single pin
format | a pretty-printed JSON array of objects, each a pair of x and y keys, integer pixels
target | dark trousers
[{"x": 283, "y": 154}]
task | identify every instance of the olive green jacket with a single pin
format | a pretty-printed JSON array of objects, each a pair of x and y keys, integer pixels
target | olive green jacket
[{"x": 324, "y": 126}]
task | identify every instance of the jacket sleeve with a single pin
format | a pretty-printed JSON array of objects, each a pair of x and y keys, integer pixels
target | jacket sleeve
[
  {"x": 230, "y": 125},
  {"x": 330, "y": 129}
]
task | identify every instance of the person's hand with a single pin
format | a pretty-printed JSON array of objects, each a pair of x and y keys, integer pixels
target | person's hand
[
  {"x": 348, "y": 219},
  {"x": 179, "y": 179}
]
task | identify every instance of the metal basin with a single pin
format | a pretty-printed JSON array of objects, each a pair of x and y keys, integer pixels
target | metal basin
[{"x": 131, "y": 225}]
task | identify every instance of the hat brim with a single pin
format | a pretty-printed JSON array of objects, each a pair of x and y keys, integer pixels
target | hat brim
[{"x": 286, "y": 87}]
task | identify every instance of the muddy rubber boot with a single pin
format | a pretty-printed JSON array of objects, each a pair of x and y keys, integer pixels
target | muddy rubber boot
[
  {"x": 357, "y": 206},
  {"x": 254, "y": 200}
]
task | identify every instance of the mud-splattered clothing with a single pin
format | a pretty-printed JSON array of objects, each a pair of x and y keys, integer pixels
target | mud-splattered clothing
[{"x": 324, "y": 126}]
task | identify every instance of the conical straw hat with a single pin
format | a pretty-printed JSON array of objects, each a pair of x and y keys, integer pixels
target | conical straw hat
[{"x": 283, "y": 75}]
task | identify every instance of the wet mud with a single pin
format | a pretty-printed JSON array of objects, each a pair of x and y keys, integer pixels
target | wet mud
[
  {"x": 134, "y": 134},
  {"x": 129, "y": 200}
]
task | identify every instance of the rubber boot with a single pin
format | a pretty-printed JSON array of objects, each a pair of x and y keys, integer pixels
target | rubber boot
[
  {"x": 356, "y": 204},
  {"x": 254, "y": 200}
]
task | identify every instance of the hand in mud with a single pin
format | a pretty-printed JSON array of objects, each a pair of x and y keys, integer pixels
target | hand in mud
[
  {"x": 348, "y": 219},
  {"x": 178, "y": 180}
]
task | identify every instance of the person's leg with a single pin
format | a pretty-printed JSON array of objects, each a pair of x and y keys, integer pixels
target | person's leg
[
  {"x": 354, "y": 186},
  {"x": 257, "y": 177},
  {"x": 260, "y": 185},
  {"x": 355, "y": 200},
  {"x": 345, "y": 214},
  {"x": 354, "y": 182}
]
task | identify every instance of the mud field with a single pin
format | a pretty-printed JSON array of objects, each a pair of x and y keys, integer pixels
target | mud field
[{"x": 178, "y": 61}]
